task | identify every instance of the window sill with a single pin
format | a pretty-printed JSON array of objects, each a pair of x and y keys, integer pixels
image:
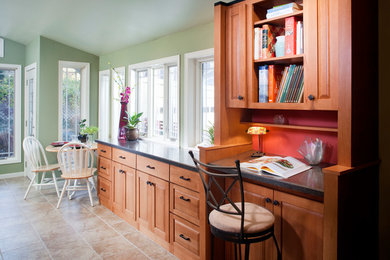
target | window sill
[{"x": 10, "y": 161}]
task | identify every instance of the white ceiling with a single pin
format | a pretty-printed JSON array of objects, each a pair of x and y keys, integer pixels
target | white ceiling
[{"x": 100, "y": 26}]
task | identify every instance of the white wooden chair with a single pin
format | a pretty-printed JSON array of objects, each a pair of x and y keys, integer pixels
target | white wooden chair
[
  {"x": 37, "y": 161},
  {"x": 76, "y": 163}
]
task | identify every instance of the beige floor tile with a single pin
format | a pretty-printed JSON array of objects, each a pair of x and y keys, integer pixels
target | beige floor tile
[
  {"x": 74, "y": 251},
  {"x": 85, "y": 223},
  {"x": 32, "y": 252},
  {"x": 19, "y": 241},
  {"x": 123, "y": 227},
  {"x": 99, "y": 233},
  {"x": 114, "y": 247},
  {"x": 15, "y": 230}
]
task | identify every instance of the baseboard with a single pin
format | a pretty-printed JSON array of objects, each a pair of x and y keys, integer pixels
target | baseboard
[{"x": 11, "y": 175}]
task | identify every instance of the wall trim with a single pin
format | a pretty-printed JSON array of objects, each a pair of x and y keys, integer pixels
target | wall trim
[{"x": 11, "y": 175}]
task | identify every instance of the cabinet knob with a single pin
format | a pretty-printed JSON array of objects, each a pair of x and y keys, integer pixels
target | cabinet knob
[
  {"x": 102, "y": 189},
  {"x": 184, "y": 178},
  {"x": 149, "y": 183},
  {"x": 276, "y": 203},
  {"x": 182, "y": 198},
  {"x": 103, "y": 151},
  {"x": 150, "y": 167},
  {"x": 240, "y": 97},
  {"x": 268, "y": 200},
  {"x": 122, "y": 157},
  {"x": 184, "y": 237},
  {"x": 101, "y": 167},
  {"x": 311, "y": 97},
  {"x": 121, "y": 171}
]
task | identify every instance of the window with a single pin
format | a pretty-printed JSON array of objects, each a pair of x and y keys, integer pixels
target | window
[
  {"x": 73, "y": 98},
  {"x": 118, "y": 80},
  {"x": 10, "y": 113},
  {"x": 104, "y": 104},
  {"x": 198, "y": 97},
  {"x": 156, "y": 94}
]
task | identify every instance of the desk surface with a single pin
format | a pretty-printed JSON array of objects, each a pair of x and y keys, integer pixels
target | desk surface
[{"x": 309, "y": 183}]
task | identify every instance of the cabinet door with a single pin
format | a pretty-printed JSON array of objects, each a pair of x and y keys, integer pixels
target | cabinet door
[
  {"x": 298, "y": 226},
  {"x": 143, "y": 196},
  {"x": 159, "y": 206},
  {"x": 263, "y": 197},
  {"x": 118, "y": 182},
  {"x": 321, "y": 54},
  {"x": 236, "y": 56},
  {"x": 129, "y": 209}
]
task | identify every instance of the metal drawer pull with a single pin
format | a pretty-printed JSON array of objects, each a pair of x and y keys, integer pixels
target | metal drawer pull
[
  {"x": 182, "y": 198},
  {"x": 185, "y": 238},
  {"x": 184, "y": 178},
  {"x": 101, "y": 167},
  {"x": 122, "y": 171},
  {"x": 103, "y": 151},
  {"x": 121, "y": 157},
  {"x": 102, "y": 189},
  {"x": 150, "y": 183},
  {"x": 150, "y": 167},
  {"x": 276, "y": 203},
  {"x": 268, "y": 200}
]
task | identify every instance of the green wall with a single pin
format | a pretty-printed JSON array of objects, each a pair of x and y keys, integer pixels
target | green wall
[
  {"x": 194, "y": 39},
  {"x": 50, "y": 53},
  {"x": 14, "y": 53}
]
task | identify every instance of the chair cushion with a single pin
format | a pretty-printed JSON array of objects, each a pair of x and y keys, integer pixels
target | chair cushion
[
  {"x": 257, "y": 218},
  {"x": 46, "y": 168}
]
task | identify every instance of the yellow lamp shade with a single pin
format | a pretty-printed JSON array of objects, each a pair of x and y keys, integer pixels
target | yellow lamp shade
[{"x": 257, "y": 130}]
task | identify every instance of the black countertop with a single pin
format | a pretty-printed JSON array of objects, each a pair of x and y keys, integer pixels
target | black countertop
[{"x": 309, "y": 184}]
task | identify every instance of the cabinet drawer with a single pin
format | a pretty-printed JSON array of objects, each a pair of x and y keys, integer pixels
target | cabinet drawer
[
  {"x": 104, "y": 192},
  {"x": 123, "y": 157},
  {"x": 185, "y": 203},
  {"x": 153, "y": 167},
  {"x": 104, "y": 150},
  {"x": 104, "y": 168},
  {"x": 185, "y": 238},
  {"x": 185, "y": 178}
]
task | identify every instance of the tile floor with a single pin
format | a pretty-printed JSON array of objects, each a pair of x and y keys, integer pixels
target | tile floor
[{"x": 35, "y": 229}]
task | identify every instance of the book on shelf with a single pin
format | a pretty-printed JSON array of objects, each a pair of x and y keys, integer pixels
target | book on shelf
[
  {"x": 299, "y": 44},
  {"x": 290, "y": 40},
  {"x": 263, "y": 84},
  {"x": 258, "y": 43},
  {"x": 269, "y": 33},
  {"x": 283, "y": 10},
  {"x": 291, "y": 86},
  {"x": 284, "y": 167},
  {"x": 275, "y": 74}
]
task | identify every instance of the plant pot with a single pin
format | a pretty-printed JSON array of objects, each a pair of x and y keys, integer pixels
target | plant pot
[
  {"x": 132, "y": 134},
  {"x": 83, "y": 138}
]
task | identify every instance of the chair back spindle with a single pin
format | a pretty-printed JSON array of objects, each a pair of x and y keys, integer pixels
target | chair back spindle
[{"x": 76, "y": 160}]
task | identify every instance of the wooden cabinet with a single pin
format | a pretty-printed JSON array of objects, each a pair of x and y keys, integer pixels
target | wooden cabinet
[
  {"x": 236, "y": 83},
  {"x": 298, "y": 224},
  {"x": 104, "y": 192},
  {"x": 153, "y": 207},
  {"x": 104, "y": 184},
  {"x": 124, "y": 192}
]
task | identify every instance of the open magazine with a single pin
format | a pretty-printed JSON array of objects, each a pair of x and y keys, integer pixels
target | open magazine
[{"x": 281, "y": 166}]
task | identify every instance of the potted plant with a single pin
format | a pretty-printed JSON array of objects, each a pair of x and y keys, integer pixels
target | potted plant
[
  {"x": 131, "y": 127},
  {"x": 82, "y": 134},
  {"x": 210, "y": 133},
  {"x": 91, "y": 131}
]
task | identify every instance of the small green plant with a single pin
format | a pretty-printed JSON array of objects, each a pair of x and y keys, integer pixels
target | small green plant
[
  {"x": 91, "y": 130},
  {"x": 210, "y": 132},
  {"x": 132, "y": 121},
  {"x": 82, "y": 126}
]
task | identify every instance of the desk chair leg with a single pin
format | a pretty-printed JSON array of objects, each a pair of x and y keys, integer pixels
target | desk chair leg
[
  {"x": 89, "y": 192},
  {"x": 235, "y": 251},
  {"x": 29, "y": 186},
  {"x": 279, "y": 255},
  {"x": 247, "y": 251},
  {"x": 55, "y": 183},
  {"x": 62, "y": 193}
]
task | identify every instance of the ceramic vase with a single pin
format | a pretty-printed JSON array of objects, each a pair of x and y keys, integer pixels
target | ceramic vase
[
  {"x": 132, "y": 134},
  {"x": 122, "y": 122}
]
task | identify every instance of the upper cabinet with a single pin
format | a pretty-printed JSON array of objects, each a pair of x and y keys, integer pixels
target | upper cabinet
[
  {"x": 236, "y": 56},
  {"x": 317, "y": 63}
]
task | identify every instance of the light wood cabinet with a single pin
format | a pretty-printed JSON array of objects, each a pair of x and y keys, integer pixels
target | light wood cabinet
[
  {"x": 104, "y": 192},
  {"x": 153, "y": 207},
  {"x": 298, "y": 224},
  {"x": 236, "y": 83}
]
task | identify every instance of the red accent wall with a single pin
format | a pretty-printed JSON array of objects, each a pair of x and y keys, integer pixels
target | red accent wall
[{"x": 286, "y": 142}]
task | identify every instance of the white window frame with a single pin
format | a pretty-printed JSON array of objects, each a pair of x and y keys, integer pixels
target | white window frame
[
  {"x": 150, "y": 65},
  {"x": 84, "y": 95},
  {"x": 104, "y": 105},
  {"x": 18, "y": 113},
  {"x": 192, "y": 96}
]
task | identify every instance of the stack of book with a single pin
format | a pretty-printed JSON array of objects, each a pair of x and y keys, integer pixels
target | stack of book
[
  {"x": 280, "y": 85},
  {"x": 293, "y": 36},
  {"x": 283, "y": 10}
]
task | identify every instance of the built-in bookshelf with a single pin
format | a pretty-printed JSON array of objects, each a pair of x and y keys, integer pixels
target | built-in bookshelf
[{"x": 259, "y": 19}]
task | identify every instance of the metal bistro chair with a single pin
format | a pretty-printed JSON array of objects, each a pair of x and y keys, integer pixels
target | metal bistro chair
[
  {"x": 238, "y": 222},
  {"x": 76, "y": 163},
  {"x": 37, "y": 161}
]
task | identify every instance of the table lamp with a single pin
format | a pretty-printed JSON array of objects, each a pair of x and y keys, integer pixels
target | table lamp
[{"x": 257, "y": 130}]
